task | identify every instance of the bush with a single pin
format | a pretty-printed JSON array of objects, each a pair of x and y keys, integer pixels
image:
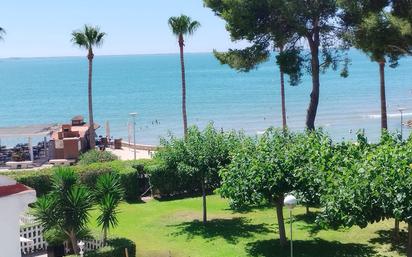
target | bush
[
  {"x": 40, "y": 180},
  {"x": 94, "y": 156},
  {"x": 115, "y": 248},
  {"x": 129, "y": 171}
]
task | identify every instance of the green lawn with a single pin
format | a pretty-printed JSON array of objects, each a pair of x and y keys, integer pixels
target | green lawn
[{"x": 171, "y": 228}]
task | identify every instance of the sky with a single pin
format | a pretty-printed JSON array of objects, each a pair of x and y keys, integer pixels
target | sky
[{"x": 42, "y": 28}]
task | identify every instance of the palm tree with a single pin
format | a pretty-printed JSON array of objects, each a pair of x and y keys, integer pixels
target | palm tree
[
  {"x": 182, "y": 26},
  {"x": 66, "y": 208},
  {"x": 88, "y": 38},
  {"x": 108, "y": 194}
]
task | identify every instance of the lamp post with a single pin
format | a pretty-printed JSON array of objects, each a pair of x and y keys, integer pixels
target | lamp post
[
  {"x": 134, "y": 114},
  {"x": 290, "y": 203},
  {"x": 401, "y": 110},
  {"x": 81, "y": 247}
]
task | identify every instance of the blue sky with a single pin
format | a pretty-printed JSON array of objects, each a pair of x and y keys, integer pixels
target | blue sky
[{"x": 42, "y": 28}]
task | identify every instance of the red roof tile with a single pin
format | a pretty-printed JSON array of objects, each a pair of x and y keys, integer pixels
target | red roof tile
[{"x": 13, "y": 189}]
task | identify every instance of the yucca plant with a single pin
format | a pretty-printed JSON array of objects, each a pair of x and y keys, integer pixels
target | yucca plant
[
  {"x": 66, "y": 207},
  {"x": 108, "y": 194}
]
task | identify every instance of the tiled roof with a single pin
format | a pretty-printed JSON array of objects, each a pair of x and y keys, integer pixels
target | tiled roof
[{"x": 13, "y": 189}]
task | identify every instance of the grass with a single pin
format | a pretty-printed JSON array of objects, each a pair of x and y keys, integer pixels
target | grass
[{"x": 172, "y": 228}]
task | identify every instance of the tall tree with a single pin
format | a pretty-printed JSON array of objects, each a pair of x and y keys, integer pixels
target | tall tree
[
  {"x": 313, "y": 21},
  {"x": 89, "y": 38},
  {"x": 377, "y": 33},
  {"x": 182, "y": 26},
  {"x": 260, "y": 24}
]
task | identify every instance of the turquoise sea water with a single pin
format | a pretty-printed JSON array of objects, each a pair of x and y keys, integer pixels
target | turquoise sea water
[{"x": 50, "y": 90}]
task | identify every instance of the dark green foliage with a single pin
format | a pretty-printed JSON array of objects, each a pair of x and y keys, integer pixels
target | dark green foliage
[
  {"x": 286, "y": 26},
  {"x": 244, "y": 59},
  {"x": 261, "y": 23},
  {"x": 116, "y": 248},
  {"x": 41, "y": 180},
  {"x": 94, "y": 156},
  {"x": 66, "y": 208},
  {"x": 108, "y": 194}
]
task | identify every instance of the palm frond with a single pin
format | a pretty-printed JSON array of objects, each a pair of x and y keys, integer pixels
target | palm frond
[
  {"x": 183, "y": 25},
  {"x": 193, "y": 27},
  {"x": 88, "y": 37}
]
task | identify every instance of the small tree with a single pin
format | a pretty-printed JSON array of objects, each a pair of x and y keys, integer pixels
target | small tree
[
  {"x": 372, "y": 189},
  {"x": 108, "y": 194},
  {"x": 198, "y": 158},
  {"x": 262, "y": 171},
  {"x": 66, "y": 208}
]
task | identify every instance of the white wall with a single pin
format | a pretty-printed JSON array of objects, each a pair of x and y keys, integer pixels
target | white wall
[{"x": 10, "y": 209}]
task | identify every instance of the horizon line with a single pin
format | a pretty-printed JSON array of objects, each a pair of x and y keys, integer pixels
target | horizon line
[{"x": 104, "y": 55}]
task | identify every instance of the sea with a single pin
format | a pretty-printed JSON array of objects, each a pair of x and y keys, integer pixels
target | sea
[{"x": 53, "y": 90}]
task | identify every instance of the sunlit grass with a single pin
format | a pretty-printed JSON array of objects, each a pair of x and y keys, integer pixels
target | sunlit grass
[{"x": 172, "y": 228}]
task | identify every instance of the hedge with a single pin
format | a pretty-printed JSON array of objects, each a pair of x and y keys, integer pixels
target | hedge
[
  {"x": 165, "y": 181},
  {"x": 129, "y": 172},
  {"x": 115, "y": 248}
]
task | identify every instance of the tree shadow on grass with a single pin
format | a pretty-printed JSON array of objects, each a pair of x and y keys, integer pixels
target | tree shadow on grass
[
  {"x": 309, "y": 248},
  {"x": 309, "y": 221},
  {"x": 229, "y": 229},
  {"x": 386, "y": 237}
]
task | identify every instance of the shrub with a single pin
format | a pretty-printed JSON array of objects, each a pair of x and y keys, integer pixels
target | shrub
[
  {"x": 40, "y": 180},
  {"x": 115, "y": 248},
  {"x": 94, "y": 156}
]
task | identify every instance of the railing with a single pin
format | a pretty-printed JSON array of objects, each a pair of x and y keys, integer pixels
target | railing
[{"x": 33, "y": 231}]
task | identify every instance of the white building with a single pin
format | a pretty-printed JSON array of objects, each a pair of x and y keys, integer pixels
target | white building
[{"x": 14, "y": 200}]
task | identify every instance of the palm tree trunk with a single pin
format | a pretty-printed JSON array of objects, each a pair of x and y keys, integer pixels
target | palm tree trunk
[
  {"x": 282, "y": 94},
  {"x": 314, "y": 96},
  {"x": 73, "y": 241},
  {"x": 92, "y": 142},
  {"x": 182, "y": 64},
  {"x": 104, "y": 236},
  {"x": 204, "y": 200},
  {"x": 384, "y": 118},
  {"x": 281, "y": 223}
]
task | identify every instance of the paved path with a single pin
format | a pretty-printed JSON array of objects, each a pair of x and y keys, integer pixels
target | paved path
[{"x": 128, "y": 154}]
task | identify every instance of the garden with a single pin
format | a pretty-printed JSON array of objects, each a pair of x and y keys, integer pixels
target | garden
[{"x": 221, "y": 194}]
